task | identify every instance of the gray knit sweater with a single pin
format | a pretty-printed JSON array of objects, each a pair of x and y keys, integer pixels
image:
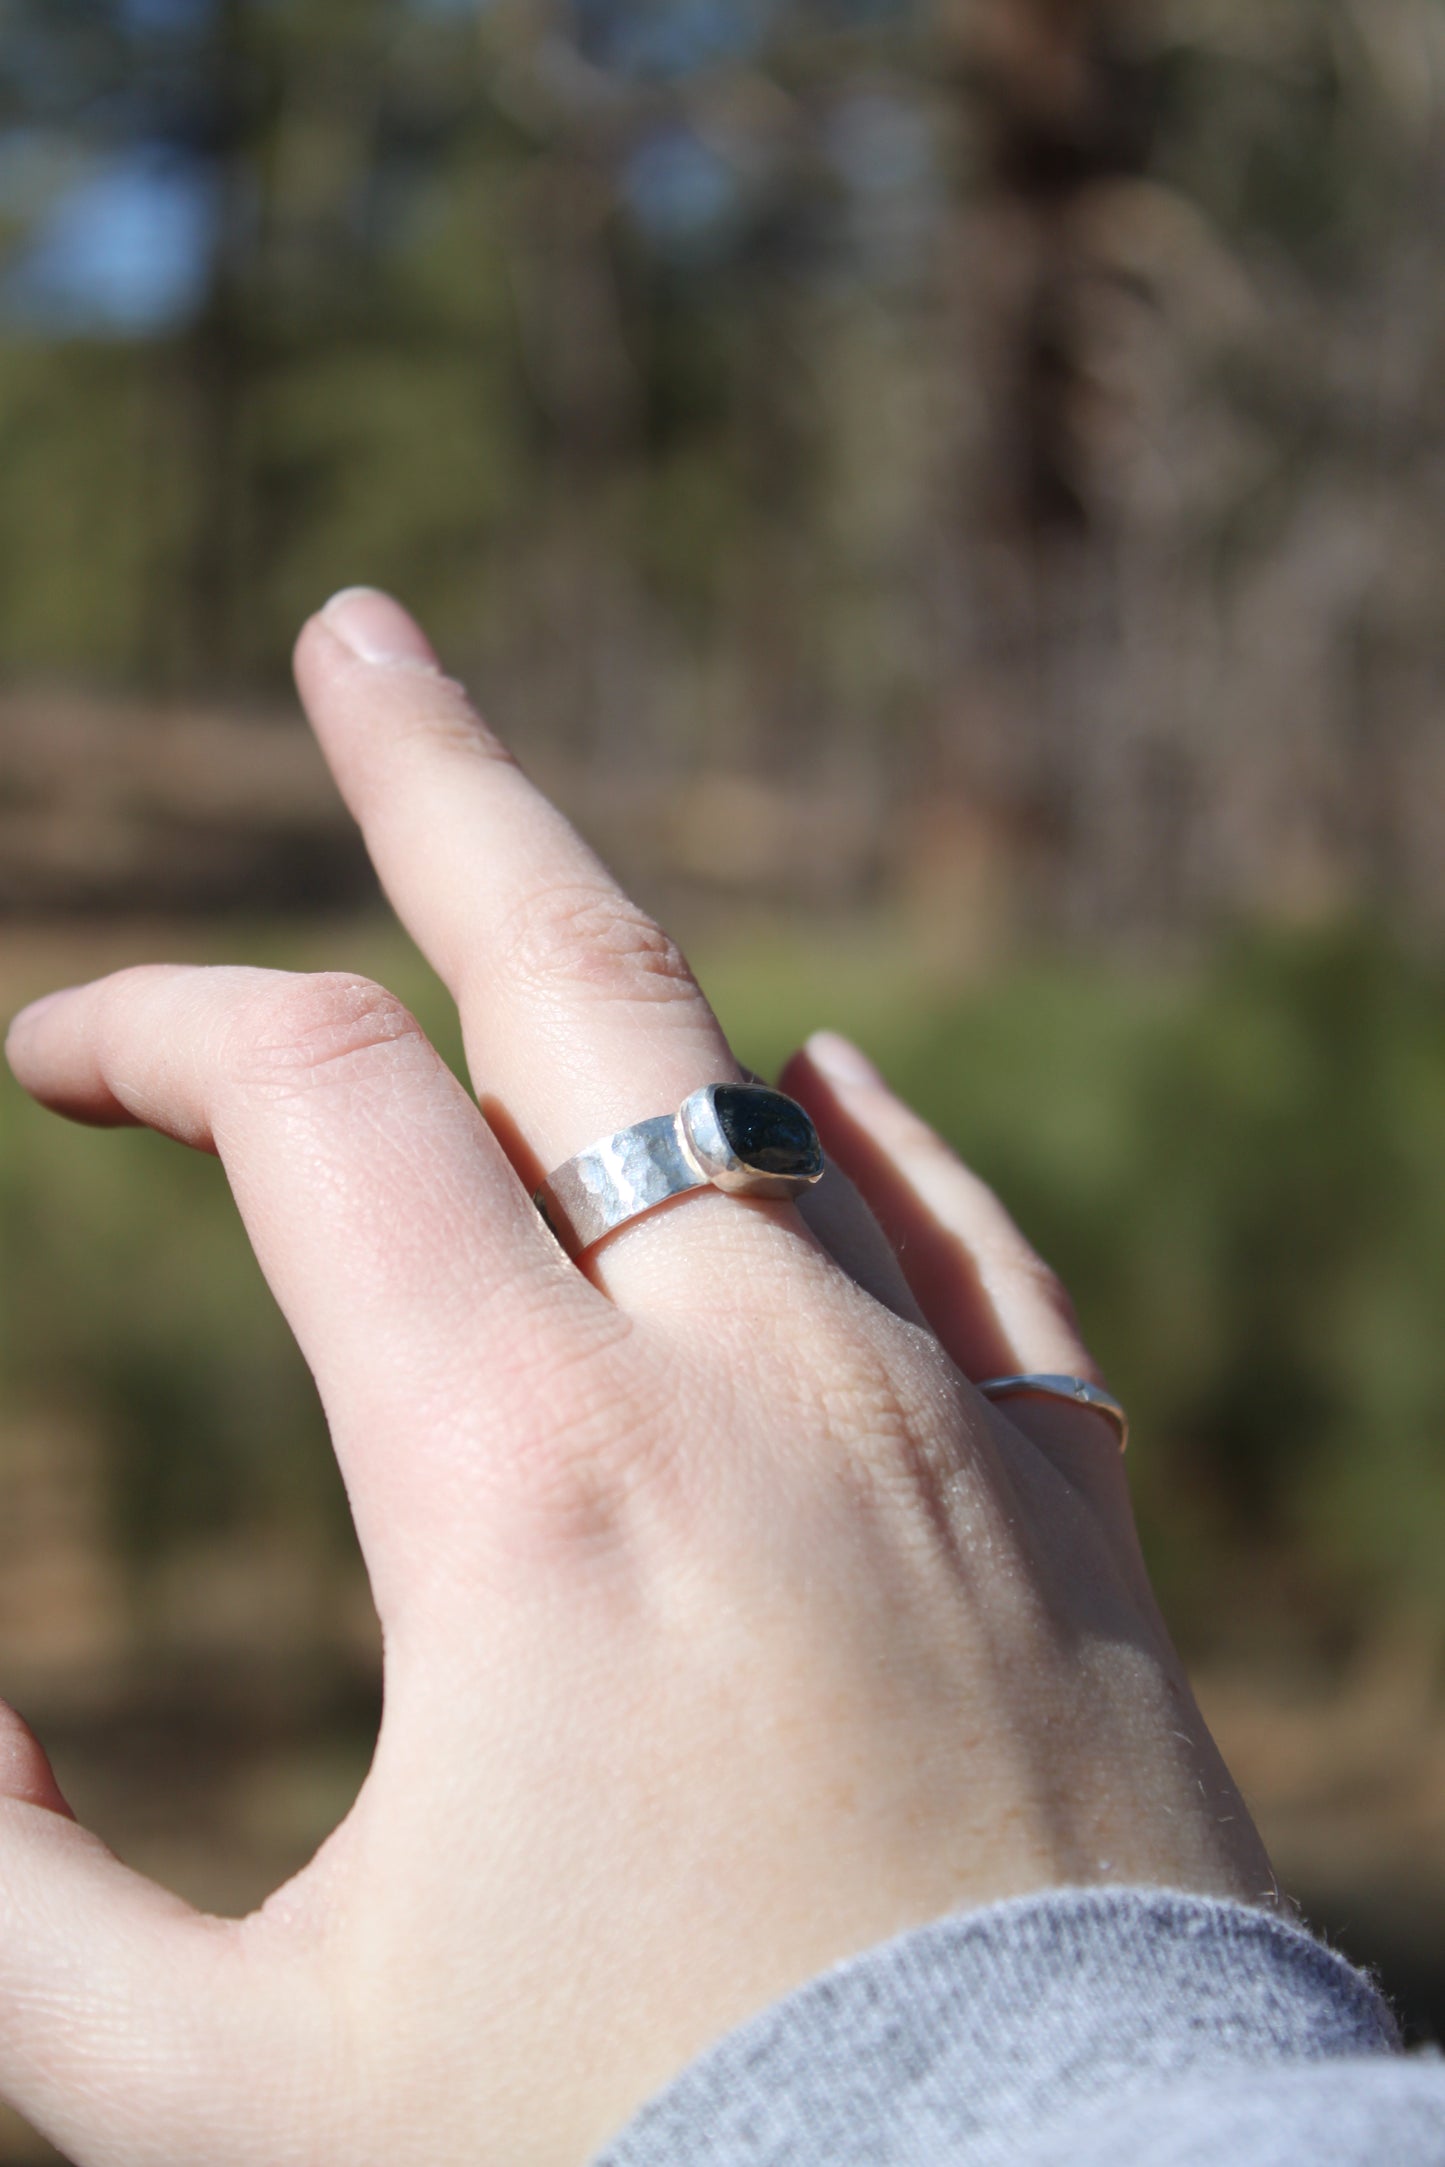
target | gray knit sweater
[{"x": 1085, "y": 2028}]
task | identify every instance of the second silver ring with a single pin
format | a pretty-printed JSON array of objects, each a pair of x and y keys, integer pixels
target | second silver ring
[{"x": 1074, "y": 1391}]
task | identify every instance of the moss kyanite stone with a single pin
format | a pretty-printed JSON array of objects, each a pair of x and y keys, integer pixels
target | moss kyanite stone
[{"x": 769, "y": 1133}]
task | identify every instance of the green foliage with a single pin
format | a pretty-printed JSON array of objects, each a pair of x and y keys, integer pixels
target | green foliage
[
  {"x": 73, "y": 437},
  {"x": 1288, "y": 1263},
  {"x": 1285, "y": 127},
  {"x": 435, "y": 341},
  {"x": 338, "y": 400}
]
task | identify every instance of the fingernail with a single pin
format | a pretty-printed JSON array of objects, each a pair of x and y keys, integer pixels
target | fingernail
[
  {"x": 840, "y": 1060},
  {"x": 376, "y": 628}
]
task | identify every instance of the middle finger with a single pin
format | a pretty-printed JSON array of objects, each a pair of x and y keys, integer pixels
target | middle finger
[{"x": 579, "y": 1015}]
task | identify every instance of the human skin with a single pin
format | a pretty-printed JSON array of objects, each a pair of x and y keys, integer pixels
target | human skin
[{"x": 728, "y": 1630}]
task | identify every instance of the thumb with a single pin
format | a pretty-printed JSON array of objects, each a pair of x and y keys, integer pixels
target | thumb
[{"x": 123, "y": 2021}]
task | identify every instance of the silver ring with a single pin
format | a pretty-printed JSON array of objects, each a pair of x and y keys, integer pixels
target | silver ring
[
  {"x": 1076, "y": 1391},
  {"x": 741, "y": 1138}
]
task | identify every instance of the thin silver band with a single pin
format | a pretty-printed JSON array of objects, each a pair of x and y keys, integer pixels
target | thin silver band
[
  {"x": 741, "y": 1138},
  {"x": 1075, "y": 1391}
]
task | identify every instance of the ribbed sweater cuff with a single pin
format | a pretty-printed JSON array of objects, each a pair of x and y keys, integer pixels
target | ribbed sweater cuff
[{"x": 952, "y": 2042}]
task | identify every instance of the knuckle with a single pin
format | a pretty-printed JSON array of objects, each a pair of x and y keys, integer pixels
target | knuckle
[
  {"x": 573, "y": 1475},
  {"x": 444, "y": 719},
  {"x": 126, "y": 994},
  {"x": 581, "y": 1427},
  {"x": 891, "y": 1428},
  {"x": 590, "y": 940},
  {"x": 308, "y": 1030}
]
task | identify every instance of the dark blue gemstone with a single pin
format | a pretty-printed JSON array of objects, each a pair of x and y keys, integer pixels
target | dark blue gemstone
[{"x": 769, "y": 1133}]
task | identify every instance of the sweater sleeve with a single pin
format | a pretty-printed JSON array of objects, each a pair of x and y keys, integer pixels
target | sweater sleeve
[{"x": 1083, "y": 2027}]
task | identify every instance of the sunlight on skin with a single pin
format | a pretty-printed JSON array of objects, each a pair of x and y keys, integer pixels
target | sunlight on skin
[{"x": 622, "y": 1534}]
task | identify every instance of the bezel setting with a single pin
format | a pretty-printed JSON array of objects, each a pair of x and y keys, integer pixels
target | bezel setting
[{"x": 782, "y": 1156}]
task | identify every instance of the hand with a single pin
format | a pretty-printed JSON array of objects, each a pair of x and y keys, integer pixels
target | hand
[{"x": 728, "y": 1631}]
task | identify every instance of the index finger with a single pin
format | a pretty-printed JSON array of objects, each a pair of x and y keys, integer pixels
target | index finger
[{"x": 384, "y": 1214}]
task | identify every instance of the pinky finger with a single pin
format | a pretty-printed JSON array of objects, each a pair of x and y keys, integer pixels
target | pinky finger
[{"x": 992, "y": 1301}]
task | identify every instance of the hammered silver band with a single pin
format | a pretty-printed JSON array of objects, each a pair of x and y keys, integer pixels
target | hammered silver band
[
  {"x": 741, "y": 1138},
  {"x": 1075, "y": 1391},
  {"x": 617, "y": 1180}
]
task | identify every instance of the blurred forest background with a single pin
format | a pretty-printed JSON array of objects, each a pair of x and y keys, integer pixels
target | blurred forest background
[{"x": 951, "y": 495}]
